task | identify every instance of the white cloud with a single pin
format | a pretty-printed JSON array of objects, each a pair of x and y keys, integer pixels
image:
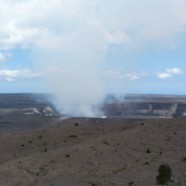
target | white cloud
[
  {"x": 169, "y": 72},
  {"x": 52, "y": 22},
  {"x": 12, "y": 75},
  {"x": 174, "y": 70},
  {"x": 135, "y": 76},
  {"x": 164, "y": 75}
]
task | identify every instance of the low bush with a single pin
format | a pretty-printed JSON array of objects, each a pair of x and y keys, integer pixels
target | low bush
[{"x": 165, "y": 174}]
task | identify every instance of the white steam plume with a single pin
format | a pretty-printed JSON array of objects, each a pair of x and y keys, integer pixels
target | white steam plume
[{"x": 73, "y": 73}]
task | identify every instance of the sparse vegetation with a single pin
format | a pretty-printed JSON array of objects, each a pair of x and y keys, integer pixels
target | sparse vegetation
[
  {"x": 148, "y": 151},
  {"x": 45, "y": 150},
  {"x": 76, "y": 124},
  {"x": 146, "y": 163},
  {"x": 168, "y": 138},
  {"x": 72, "y": 136},
  {"x": 184, "y": 159},
  {"x": 115, "y": 151},
  {"x": 119, "y": 170},
  {"x": 92, "y": 184},
  {"x": 106, "y": 142},
  {"x": 130, "y": 183},
  {"x": 164, "y": 175}
]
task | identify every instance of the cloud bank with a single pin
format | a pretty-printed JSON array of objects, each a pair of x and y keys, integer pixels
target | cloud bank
[{"x": 37, "y": 22}]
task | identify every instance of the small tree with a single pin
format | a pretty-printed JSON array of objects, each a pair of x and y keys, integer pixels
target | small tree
[{"x": 165, "y": 174}]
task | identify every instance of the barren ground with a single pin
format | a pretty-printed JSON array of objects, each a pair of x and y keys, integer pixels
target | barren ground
[{"x": 94, "y": 152}]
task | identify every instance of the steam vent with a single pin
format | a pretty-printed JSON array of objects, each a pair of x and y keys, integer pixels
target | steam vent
[{"x": 144, "y": 106}]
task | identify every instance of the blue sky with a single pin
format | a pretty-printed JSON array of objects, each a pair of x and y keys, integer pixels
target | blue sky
[{"x": 111, "y": 46}]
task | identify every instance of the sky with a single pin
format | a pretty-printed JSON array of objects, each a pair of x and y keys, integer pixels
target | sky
[{"x": 122, "y": 46}]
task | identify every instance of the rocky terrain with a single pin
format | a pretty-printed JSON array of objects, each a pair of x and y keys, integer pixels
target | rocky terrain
[{"x": 94, "y": 152}]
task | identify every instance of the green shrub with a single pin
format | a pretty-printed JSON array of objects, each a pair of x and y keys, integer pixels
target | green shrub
[
  {"x": 184, "y": 159},
  {"x": 165, "y": 174},
  {"x": 130, "y": 183}
]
